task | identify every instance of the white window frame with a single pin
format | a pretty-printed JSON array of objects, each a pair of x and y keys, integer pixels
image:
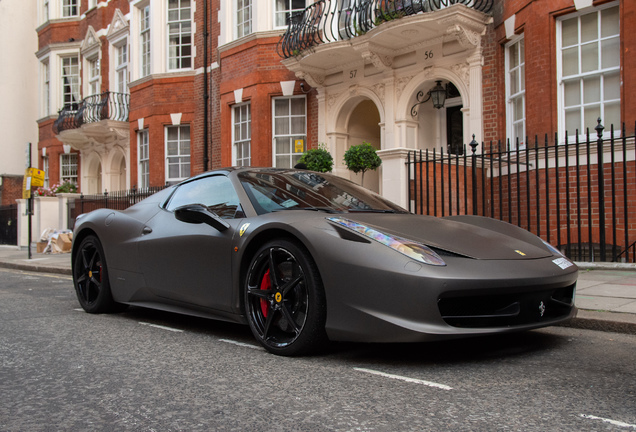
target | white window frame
[
  {"x": 46, "y": 11},
  {"x": 69, "y": 8},
  {"x": 286, "y": 12},
  {"x": 68, "y": 167},
  {"x": 601, "y": 72},
  {"x": 45, "y": 168},
  {"x": 143, "y": 156},
  {"x": 242, "y": 120},
  {"x": 145, "y": 42},
  {"x": 519, "y": 96},
  {"x": 183, "y": 158},
  {"x": 293, "y": 156},
  {"x": 94, "y": 76},
  {"x": 74, "y": 86},
  {"x": 46, "y": 87},
  {"x": 121, "y": 66},
  {"x": 176, "y": 60},
  {"x": 243, "y": 25}
]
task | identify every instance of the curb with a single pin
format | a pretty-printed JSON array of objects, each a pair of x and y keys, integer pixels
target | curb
[
  {"x": 613, "y": 322},
  {"x": 605, "y": 266},
  {"x": 36, "y": 268}
]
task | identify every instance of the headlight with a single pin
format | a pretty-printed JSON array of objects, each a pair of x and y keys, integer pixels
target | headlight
[
  {"x": 554, "y": 250},
  {"x": 410, "y": 248}
]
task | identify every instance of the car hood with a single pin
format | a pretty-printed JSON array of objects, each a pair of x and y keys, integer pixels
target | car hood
[{"x": 486, "y": 239}]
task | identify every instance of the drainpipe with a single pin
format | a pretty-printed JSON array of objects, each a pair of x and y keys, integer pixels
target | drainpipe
[{"x": 206, "y": 93}]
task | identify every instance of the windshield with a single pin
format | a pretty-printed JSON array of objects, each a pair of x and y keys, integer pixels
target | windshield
[{"x": 278, "y": 190}]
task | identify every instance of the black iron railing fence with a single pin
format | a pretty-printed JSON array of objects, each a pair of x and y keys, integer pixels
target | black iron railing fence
[
  {"x": 579, "y": 196},
  {"x": 103, "y": 106},
  {"x": 333, "y": 20},
  {"x": 9, "y": 224},
  {"x": 119, "y": 200}
]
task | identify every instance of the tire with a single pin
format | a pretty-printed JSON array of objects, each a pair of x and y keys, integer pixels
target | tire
[
  {"x": 90, "y": 277},
  {"x": 285, "y": 300}
]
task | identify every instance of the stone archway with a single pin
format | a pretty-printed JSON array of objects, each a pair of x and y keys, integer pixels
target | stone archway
[
  {"x": 356, "y": 118},
  {"x": 92, "y": 180},
  {"x": 442, "y": 128},
  {"x": 364, "y": 126},
  {"x": 116, "y": 173}
]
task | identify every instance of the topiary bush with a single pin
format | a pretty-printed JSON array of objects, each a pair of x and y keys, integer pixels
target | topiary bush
[
  {"x": 362, "y": 158},
  {"x": 318, "y": 159}
]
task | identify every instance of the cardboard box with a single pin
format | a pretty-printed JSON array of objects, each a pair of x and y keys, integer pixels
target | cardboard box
[
  {"x": 64, "y": 242},
  {"x": 41, "y": 245}
]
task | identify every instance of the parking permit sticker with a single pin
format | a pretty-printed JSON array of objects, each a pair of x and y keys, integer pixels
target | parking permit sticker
[{"x": 562, "y": 262}]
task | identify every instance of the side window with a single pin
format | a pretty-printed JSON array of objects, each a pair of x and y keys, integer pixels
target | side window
[{"x": 216, "y": 193}]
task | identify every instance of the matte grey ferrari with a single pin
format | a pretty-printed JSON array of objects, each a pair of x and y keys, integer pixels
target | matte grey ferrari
[{"x": 305, "y": 257}]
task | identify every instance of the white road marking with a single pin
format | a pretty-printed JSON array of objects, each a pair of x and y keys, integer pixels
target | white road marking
[
  {"x": 161, "y": 327},
  {"x": 403, "y": 378},
  {"x": 79, "y": 309},
  {"x": 241, "y": 344},
  {"x": 614, "y": 422}
]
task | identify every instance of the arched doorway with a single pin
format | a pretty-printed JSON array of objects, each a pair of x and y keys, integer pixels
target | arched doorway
[
  {"x": 117, "y": 173},
  {"x": 92, "y": 181},
  {"x": 442, "y": 128},
  {"x": 364, "y": 126},
  {"x": 357, "y": 121}
]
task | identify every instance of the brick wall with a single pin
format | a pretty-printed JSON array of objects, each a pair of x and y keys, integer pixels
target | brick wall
[
  {"x": 536, "y": 20},
  {"x": 11, "y": 189},
  {"x": 154, "y": 100},
  {"x": 256, "y": 67}
]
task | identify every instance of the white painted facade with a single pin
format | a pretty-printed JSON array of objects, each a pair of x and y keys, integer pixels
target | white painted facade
[
  {"x": 367, "y": 86},
  {"x": 18, "y": 84}
]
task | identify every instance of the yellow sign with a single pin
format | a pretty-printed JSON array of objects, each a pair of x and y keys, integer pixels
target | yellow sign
[
  {"x": 26, "y": 186},
  {"x": 299, "y": 146},
  {"x": 37, "y": 177}
]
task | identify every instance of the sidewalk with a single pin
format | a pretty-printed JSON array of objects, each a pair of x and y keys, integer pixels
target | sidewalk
[{"x": 605, "y": 293}]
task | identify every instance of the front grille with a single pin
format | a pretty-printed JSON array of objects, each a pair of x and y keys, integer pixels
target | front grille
[{"x": 507, "y": 310}]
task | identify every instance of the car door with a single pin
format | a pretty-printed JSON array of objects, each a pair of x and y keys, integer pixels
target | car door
[{"x": 189, "y": 262}]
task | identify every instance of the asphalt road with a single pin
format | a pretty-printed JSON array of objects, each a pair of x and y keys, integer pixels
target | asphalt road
[{"x": 63, "y": 369}]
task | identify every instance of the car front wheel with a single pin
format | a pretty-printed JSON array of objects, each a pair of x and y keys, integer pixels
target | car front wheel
[
  {"x": 284, "y": 299},
  {"x": 90, "y": 277}
]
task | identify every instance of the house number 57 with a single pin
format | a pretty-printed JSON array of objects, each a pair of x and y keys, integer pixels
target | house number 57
[{"x": 352, "y": 74}]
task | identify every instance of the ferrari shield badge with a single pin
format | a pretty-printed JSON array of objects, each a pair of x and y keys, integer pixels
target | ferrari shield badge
[{"x": 243, "y": 229}]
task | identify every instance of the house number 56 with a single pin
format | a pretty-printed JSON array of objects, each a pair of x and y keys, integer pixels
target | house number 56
[{"x": 428, "y": 55}]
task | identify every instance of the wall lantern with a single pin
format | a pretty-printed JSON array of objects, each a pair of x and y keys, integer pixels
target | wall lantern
[
  {"x": 67, "y": 148},
  {"x": 437, "y": 95}
]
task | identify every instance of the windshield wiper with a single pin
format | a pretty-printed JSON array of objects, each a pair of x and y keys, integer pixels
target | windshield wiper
[
  {"x": 371, "y": 210},
  {"x": 323, "y": 209}
]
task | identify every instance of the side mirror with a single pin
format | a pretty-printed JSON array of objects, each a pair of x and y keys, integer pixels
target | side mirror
[{"x": 198, "y": 213}]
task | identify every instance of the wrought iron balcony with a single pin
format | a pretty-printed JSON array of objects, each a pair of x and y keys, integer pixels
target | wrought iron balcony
[
  {"x": 92, "y": 109},
  {"x": 334, "y": 20}
]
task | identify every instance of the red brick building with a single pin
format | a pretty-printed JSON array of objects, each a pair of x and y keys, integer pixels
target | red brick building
[
  {"x": 124, "y": 100},
  {"x": 152, "y": 91}
]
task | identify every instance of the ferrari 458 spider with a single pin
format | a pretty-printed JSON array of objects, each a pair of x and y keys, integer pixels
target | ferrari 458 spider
[{"x": 304, "y": 257}]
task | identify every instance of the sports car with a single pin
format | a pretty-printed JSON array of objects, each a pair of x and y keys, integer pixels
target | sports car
[{"x": 305, "y": 257}]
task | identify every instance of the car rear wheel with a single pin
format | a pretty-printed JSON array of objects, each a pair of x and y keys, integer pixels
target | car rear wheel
[
  {"x": 284, "y": 299},
  {"x": 90, "y": 277}
]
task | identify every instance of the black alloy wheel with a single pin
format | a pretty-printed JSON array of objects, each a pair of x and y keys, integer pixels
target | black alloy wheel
[
  {"x": 285, "y": 300},
  {"x": 90, "y": 276}
]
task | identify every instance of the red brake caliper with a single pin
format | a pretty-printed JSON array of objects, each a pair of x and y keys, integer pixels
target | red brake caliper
[{"x": 266, "y": 284}]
